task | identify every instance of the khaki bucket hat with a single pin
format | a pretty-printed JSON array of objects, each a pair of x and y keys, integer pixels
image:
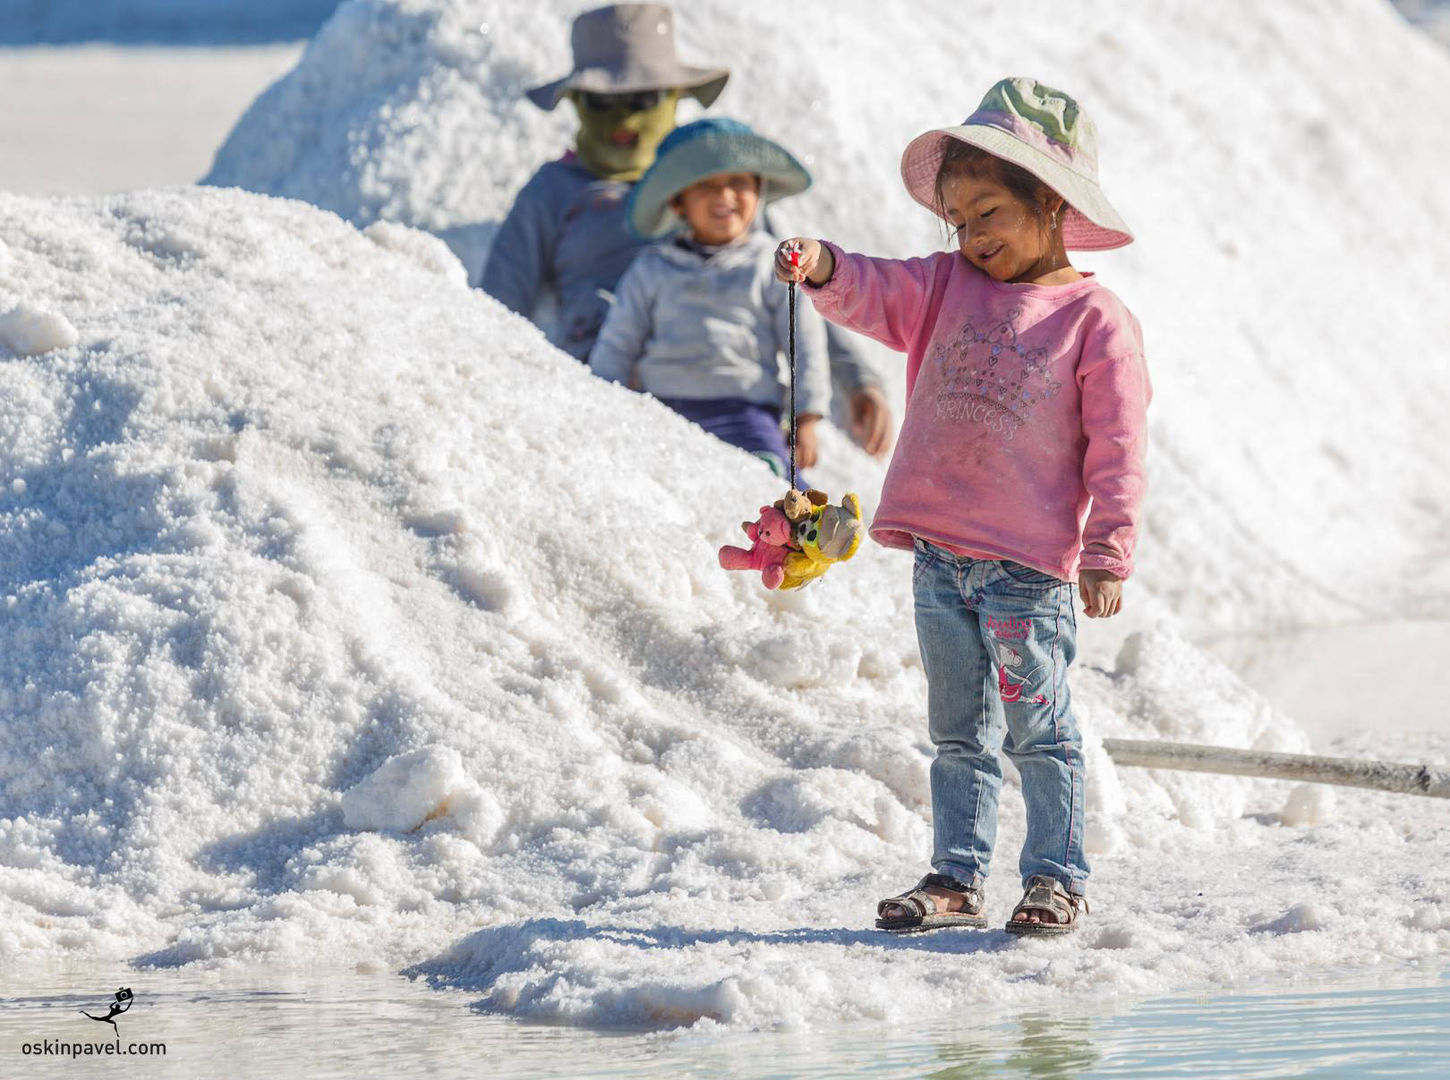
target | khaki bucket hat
[
  {"x": 1047, "y": 133},
  {"x": 625, "y": 48}
]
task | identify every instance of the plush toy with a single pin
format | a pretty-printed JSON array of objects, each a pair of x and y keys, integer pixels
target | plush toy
[
  {"x": 797, "y": 505},
  {"x": 829, "y": 534},
  {"x": 770, "y": 544}
]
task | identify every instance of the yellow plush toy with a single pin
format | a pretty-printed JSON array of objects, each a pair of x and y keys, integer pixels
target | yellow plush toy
[{"x": 827, "y": 535}]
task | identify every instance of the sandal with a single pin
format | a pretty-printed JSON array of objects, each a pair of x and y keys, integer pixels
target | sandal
[
  {"x": 1046, "y": 896},
  {"x": 926, "y": 915}
]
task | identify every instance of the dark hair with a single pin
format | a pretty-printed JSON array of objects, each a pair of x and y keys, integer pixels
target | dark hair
[{"x": 964, "y": 159}]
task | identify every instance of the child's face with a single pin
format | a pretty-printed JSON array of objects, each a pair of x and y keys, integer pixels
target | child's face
[
  {"x": 719, "y": 208},
  {"x": 996, "y": 230}
]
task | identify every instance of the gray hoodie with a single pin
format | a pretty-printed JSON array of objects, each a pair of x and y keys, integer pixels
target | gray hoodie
[
  {"x": 566, "y": 234},
  {"x": 695, "y": 322}
]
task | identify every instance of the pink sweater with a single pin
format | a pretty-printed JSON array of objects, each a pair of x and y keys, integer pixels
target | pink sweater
[{"x": 1025, "y": 414}]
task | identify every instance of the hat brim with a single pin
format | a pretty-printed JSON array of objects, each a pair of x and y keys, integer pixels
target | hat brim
[
  {"x": 781, "y": 175},
  {"x": 703, "y": 84},
  {"x": 1090, "y": 223}
]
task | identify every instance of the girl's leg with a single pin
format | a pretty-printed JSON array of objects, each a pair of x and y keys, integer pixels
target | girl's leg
[
  {"x": 964, "y": 715},
  {"x": 1030, "y": 630}
]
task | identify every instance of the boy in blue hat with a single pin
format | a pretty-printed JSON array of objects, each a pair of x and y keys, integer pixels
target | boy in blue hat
[{"x": 698, "y": 319}]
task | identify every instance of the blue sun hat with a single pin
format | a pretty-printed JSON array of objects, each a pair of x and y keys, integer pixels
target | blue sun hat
[{"x": 704, "y": 148}]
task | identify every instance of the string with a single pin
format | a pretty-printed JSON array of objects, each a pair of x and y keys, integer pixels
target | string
[
  {"x": 795, "y": 261},
  {"x": 790, "y": 352}
]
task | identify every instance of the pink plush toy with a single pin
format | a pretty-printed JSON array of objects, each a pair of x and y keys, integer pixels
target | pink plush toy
[{"x": 770, "y": 538}]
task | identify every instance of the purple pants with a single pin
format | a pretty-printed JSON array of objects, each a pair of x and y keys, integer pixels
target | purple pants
[{"x": 753, "y": 427}]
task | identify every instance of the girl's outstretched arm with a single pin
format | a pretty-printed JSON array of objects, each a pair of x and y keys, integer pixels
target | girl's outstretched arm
[{"x": 885, "y": 299}]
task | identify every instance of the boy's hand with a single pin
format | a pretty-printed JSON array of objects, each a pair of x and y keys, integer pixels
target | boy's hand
[
  {"x": 806, "y": 445},
  {"x": 815, "y": 264},
  {"x": 871, "y": 421},
  {"x": 1102, "y": 593}
]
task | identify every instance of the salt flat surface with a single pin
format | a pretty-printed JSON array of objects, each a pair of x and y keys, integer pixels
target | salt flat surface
[
  {"x": 343, "y": 620},
  {"x": 1350, "y": 679},
  {"x": 169, "y": 22},
  {"x": 97, "y": 118}
]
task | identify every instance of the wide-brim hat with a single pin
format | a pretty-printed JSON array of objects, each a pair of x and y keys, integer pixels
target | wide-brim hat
[
  {"x": 625, "y": 48},
  {"x": 704, "y": 148},
  {"x": 1047, "y": 133}
]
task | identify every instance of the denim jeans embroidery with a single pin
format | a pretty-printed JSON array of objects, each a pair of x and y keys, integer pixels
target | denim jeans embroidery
[{"x": 1012, "y": 691}]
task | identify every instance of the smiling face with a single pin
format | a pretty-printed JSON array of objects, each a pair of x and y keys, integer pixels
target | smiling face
[
  {"x": 719, "y": 208},
  {"x": 1001, "y": 233}
]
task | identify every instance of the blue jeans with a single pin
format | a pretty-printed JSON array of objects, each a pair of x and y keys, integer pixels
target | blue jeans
[{"x": 996, "y": 639}]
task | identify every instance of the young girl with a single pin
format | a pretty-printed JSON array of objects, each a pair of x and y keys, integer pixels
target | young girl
[
  {"x": 697, "y": 320},
  {"x": 1019, "y": 468}
]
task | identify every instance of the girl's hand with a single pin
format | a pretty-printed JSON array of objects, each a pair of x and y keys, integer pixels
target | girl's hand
[
  {"x": 806, "y": 444},
  {"x": 1102, "y": 594},
  {"x": 816, "y": 264}
]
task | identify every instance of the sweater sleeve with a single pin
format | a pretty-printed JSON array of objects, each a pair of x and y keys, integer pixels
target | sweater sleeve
[
  {"x": 1113, "y": 378},
  {"x": 522, "y": 252},
  {"x": 626, "y": 328},
  {"x": 882, "y": 298}
]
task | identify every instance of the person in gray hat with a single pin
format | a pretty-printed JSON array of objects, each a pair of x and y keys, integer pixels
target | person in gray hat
[{"x": 566, "y": 237}]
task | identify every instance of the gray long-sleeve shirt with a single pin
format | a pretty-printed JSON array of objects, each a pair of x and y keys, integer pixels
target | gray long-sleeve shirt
[
  {"x": 692, "y": 322},
  {"x": 567, "y": 233}
]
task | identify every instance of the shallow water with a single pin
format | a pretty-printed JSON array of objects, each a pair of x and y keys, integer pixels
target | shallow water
[{"x": 1386, "y": 1022}]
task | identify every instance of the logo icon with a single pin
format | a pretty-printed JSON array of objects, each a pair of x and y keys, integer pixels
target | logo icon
[{"x": 124, "y": 997}]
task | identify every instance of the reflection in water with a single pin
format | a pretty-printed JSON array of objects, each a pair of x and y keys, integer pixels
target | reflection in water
[
  {"x": 287, "y": 1026},
  {"x": 1047, "y": 1048}
]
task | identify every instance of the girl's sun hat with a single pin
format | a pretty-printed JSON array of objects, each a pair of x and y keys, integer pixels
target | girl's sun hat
[
  {"x": 704, "y": 148},
  {"x": 1047, "y": 133}
]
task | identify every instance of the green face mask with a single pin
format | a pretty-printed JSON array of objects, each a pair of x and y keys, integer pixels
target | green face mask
[{"x": 617, "y": 159}]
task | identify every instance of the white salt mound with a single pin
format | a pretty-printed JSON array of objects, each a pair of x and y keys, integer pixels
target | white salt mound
[
  {"x": 423, "y": 248},
  {"x": 30, "y": 331},
  {"x": 407, "y": 790},
  {"x": 1299, "y": 919},
  {"x": 1308, "y": 804}
]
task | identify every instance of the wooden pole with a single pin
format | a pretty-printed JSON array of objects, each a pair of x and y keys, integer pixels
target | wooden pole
[{"x": 1430, "y": 780}]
